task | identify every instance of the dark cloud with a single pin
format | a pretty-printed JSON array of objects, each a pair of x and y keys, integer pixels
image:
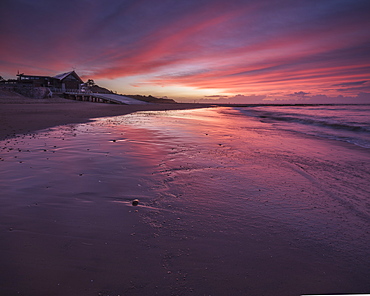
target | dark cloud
[
  {"x": 299, "y": 94},
  {"x": 351, "y": 83},
  {"x": 355, "y": 89},
  {"x": 216, "y": 96},
  {"x": 355, "y": 86}
]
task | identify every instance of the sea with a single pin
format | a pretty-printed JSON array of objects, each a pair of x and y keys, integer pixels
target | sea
[
  {"x": 257, "y": 200},
  {"x": 346, "y": 123}
]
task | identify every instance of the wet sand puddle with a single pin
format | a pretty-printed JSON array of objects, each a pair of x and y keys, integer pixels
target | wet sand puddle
[{"x": 226, "y": 208}]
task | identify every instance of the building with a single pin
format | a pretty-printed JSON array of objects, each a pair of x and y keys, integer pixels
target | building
[
  {"x": 69, "y": 80},
  {"x": 64, "y": 81},
  {"x": 37, "y": 81}
]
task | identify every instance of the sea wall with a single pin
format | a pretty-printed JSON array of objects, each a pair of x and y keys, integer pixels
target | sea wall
[{"x": 34, "y": 92}]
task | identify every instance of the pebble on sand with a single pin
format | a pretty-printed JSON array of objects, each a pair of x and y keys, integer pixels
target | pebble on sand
[{"x": 135, "y": 202}]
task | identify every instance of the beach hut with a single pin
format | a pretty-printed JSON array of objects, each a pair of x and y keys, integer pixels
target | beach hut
[{"x": 68, "y": 80}]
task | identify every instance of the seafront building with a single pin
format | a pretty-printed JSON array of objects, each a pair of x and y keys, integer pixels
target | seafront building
[
  {"x": 70, "y": 86},
  {"x": 64, "y": 81}
]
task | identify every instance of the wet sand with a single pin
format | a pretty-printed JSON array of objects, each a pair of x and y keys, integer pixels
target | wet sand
[
  {"x": 33, "y": 260},
  {"x": 225, "y": 209},
  {"x": 20, "y": 114}
]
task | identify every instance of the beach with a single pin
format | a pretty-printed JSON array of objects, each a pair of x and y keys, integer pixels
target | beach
[
  {"x": 19, "y": 114},
  {"x": 228, "y": 204}
]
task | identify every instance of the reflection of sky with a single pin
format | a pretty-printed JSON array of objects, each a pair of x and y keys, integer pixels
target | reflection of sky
[{"x": 193, "y": 48}]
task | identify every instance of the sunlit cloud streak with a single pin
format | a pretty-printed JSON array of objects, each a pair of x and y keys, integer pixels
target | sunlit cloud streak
[{"x": 221, "y": 47}]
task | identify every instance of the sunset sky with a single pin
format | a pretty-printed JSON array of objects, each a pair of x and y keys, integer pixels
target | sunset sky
[{"x": 222, "y": 50}]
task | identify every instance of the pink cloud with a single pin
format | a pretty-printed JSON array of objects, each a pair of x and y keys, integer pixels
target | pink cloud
[
  {"x": 257, "y": 48},
  {"x": 179, "y": 43}
]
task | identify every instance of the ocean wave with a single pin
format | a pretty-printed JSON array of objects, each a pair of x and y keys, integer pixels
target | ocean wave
[
  {"x": 337, "y": 123},
  {"x": 321, "y": 122},
  {"x": 308, "y": 120}
]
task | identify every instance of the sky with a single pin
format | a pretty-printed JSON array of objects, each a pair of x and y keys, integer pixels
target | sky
[{"x": 235, "y": 51}]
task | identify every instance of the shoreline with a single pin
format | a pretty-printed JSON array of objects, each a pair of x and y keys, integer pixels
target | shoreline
[{"x": 23, "y": 115}]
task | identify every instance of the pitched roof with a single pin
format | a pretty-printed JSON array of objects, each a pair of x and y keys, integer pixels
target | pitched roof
[{"x": 64, "y": 75}]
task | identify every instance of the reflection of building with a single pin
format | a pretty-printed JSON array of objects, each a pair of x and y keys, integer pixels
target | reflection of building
[{"x": 69, "y": 80}]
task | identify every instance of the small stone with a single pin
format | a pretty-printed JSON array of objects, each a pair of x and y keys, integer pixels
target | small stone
[{"x": 135, "y": 202}]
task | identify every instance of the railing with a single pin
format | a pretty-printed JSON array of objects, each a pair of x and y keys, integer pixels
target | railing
[{"x": 74, "y": 91}]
